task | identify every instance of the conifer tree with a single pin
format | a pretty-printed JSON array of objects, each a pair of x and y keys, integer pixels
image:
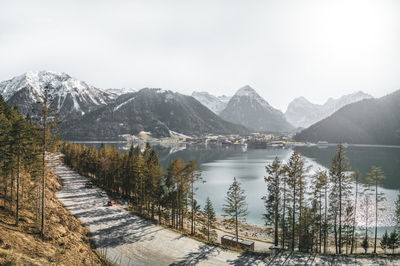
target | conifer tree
[
  {"x": 194, "y": 176},
  {"x": 235, "y": 206},
  {"x": 296, "y": 170},
  {"x": 340, "y": 190},
  {"x": 356, "y": 178},
  {"x": 47, "y": 121},
  {"x": 19, "y": 133},
  {"x": 319, "y": 187},
  {"x": 273, "y": 197},
  {"x": 375, "y": 178},
  {"x": 393, "y": 241},
  {"x": 210, "y": 220},
  {"x": 385, "y": 241}
]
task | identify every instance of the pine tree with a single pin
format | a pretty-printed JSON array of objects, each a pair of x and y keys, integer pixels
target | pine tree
[
  {"x": 194, "y": 176},
  {"x": 365, "y": 244},
  {"x": 273, "y": 197},
  {"x": 319, "y": 187},
  {"x": 356, "y": 178},
  {"x": 235, "y": 206},
  {"x": 210, "y": 219},
  {"x": 296, "y": 170},
  {"x": 47, "y": 121},
  {"x": 385, "y": 241},
  {"x": 340, "y": 190},
  {"x": 19, "y": 133},
  {"x": 374, "y": 178},
  {"x": 394, "y": 241}
]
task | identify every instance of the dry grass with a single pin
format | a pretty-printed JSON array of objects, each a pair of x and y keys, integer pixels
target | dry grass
[{"x": 66, "y": 241}]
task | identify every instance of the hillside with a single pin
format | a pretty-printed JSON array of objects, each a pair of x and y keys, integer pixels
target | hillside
[
  {"x": 249, "y": 109},
  {"x": 151, "y": 110},
  {"x": 67, "y": 241},
  {"x": 371, "y": 121}
]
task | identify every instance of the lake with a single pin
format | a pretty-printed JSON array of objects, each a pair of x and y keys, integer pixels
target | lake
[{"x": 220, "y": 164}]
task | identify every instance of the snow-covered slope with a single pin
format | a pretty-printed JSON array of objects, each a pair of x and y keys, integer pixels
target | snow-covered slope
[
  {"x": 214, "y": 103},
  {"x": 248, "y": 108},
  {"x": 69, "y": 95},
  {"x": 118, "y": 92},
  {"x": 303, "y": 113}
]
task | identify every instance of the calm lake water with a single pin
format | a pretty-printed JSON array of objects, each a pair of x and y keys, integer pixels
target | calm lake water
[{"x": 220, "y": 164}]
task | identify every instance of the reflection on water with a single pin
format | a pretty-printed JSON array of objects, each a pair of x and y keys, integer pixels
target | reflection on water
[{"x": 220, "y": 164}]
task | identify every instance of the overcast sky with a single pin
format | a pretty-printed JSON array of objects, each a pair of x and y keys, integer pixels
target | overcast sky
[{"x": 284, "y": 49}]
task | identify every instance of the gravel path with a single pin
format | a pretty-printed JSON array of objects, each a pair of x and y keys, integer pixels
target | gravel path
[{"x": 126, "y": 239}]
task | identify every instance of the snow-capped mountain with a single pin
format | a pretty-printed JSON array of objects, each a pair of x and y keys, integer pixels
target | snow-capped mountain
[
  {"x": 214, "y": 103},
  {"x": 248, "y": 108},
  {"x": 156, "y": 111},
  {"x": 303, "y": 113},
  {"x": 71, "y": 97}
]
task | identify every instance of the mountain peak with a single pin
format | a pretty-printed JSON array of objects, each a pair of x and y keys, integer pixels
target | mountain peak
[
  {"x": 246, "y": 91},
  {"x": 248, "y": 108},
  {"x": 301, "y": 100}
]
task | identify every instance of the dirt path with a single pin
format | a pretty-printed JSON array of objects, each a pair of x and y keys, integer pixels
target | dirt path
[{"x": 127, "y": 239}]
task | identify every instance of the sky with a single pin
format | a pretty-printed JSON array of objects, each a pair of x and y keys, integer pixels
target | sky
[{"x": 284, "y": 49}]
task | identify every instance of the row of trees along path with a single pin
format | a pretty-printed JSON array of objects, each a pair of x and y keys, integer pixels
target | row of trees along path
[
  {"x": 24, "y": 141},
  {"x": 137, "y": 176}
]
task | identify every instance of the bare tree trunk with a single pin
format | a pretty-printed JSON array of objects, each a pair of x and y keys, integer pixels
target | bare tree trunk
[
  {"x": 376, "y": 213},
  {"x": 340, "y": 215},
  {"x": 192, "y": 199},
  {"x": 283, "y": 216},
  {"x": 18, "y": 182},
  {"x": 237, "y": 227},
  {"x": 325, "y": 222},
  {"x": 354, "y": 221},
  {"x": 12, "y": 190},
  {"x": 44, "y": 172},
  {"x": 335, "y": 231},
  {"x": 320, "y": 220},
  {"x": 294, "y": 217},
  {"x": 5, "y": 189}
]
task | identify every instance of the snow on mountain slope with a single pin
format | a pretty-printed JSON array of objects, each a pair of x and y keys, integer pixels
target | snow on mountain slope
[
  {"x": 215, "y": 104},
  {"x": 118, "y": 92},
  {"x": 70, "y": 96},
  {"x": 303, "y": 113}
]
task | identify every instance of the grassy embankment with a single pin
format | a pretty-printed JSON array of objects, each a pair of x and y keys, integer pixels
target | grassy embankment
[{"x": 67, "y": 241}]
